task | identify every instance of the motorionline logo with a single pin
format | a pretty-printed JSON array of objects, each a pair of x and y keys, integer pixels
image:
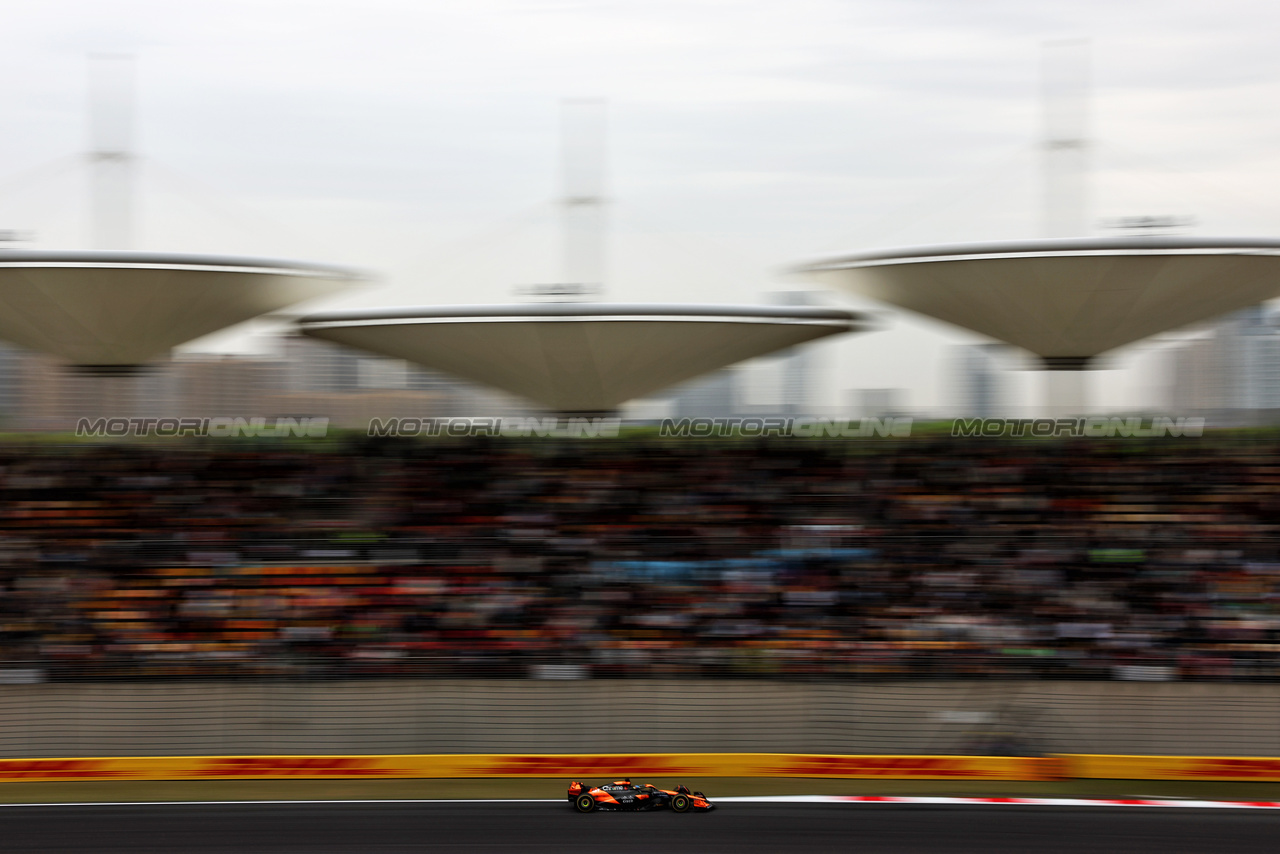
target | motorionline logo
[
  {"x": 807, "y": 428},
  {"x": 524, "y": 427},
  {"x": 228, "y": 427},
  {"x": 1093, "y": 427}
]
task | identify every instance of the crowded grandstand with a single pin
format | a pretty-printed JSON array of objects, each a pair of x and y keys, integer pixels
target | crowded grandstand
[{"x": 924, "y": 557}]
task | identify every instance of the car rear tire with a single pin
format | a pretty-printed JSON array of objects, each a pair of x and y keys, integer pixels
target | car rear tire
[
  {"x": 584, "y": 803},
  {"x": 681, "y": 803}
]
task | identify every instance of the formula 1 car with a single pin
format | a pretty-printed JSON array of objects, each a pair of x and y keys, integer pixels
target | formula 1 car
[{"x": 625, "y": 795}]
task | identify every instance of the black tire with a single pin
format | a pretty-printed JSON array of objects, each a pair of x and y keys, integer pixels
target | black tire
[
  {"x": 584, "y": 803},
  {"x": 681, "y": 803}
]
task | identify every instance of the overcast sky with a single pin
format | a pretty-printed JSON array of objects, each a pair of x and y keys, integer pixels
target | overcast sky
[{"x": 421, "y": 140}]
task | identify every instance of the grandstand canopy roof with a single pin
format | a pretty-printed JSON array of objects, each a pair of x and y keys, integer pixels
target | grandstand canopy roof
[
  {"x": 121, "y": 309},
  {"x": 1067, "y": 300},
  {"x": 580, "y": 357}
]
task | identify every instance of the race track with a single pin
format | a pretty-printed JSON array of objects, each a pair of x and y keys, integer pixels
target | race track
[{"x": 555, "y": 827}]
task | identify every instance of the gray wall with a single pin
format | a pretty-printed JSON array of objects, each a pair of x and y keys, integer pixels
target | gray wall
[{"x": 474, "y": 716}]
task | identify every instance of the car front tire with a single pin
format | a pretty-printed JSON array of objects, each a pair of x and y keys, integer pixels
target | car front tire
[{"x": 681, "y": 803}]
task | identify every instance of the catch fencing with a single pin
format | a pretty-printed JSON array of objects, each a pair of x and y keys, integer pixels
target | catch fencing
[{"x": 447, "y": 715}]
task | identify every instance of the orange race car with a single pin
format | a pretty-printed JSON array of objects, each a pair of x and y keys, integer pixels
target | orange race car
[{"x": 625, "y": 795}]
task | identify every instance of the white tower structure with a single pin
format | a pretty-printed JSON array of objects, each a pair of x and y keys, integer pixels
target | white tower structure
[
  {"x": 111, "y": 101},
  {"x": 588, "y": 358},
  {"x": 583, "y": 136},
  {"x": 1065, "y": 99},
  {"x": 109, "y": 311},
  {"x": 1064, "y": 81}
]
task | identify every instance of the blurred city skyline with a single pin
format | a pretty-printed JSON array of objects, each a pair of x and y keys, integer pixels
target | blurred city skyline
[{"x": 422, "y": 142}]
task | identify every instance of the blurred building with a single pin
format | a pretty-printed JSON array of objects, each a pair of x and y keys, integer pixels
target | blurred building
[
  {"x": 877, "y": 402},
  {"x": 308, "y": 378},
  {"x": 10, "y": 384},
  {"x": 782, "y": 383},
  {"x": 713, "y": 396},
  {"x": 1233, "y": 373},
  {"x": 364, "y": 385},
  {"x": 1193, "y": 370},
  {"x": 799, "y": 366},
  {"x": 216, "y": 386},
  {"x": 978, "y": 380},
  {"x": 315, "y": 366}
]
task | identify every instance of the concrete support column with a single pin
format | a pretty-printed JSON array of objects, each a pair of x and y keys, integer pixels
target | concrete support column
[{"x": 1064, "y": 386}]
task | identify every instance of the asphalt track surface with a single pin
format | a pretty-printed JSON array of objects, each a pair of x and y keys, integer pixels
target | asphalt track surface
[{"x": 555, "y": 827}]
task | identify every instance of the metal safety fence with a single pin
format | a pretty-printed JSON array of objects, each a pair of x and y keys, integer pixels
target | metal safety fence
[{"x": 258, "y": 716}]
